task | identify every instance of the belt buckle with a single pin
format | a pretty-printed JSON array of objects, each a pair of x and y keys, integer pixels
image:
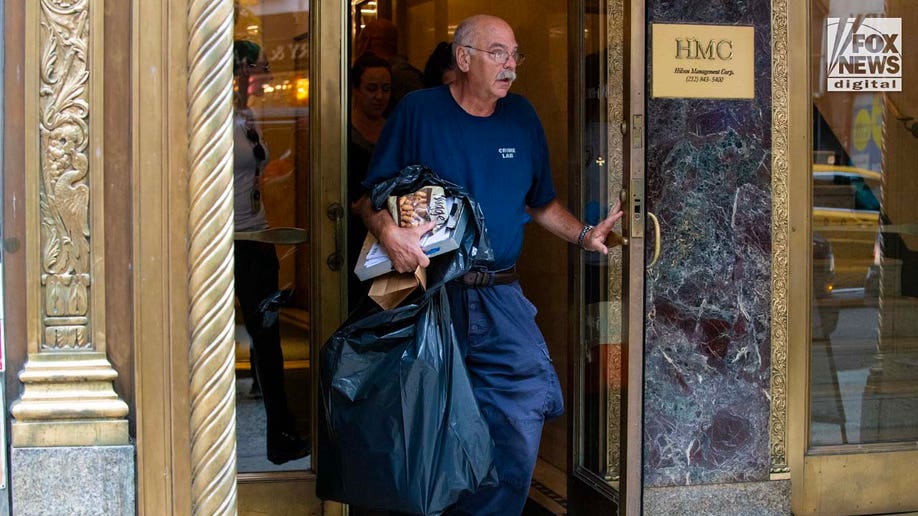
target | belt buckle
[{"x": 479, "y": 278}]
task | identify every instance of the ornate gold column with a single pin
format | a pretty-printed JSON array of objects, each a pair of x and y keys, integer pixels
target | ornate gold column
[
  {"x": 210, "y": 257},
  {"x": 68, "y": 398}
]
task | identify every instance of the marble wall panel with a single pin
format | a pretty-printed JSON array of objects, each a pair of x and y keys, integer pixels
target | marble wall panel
[{"x": 707, "y": 349}]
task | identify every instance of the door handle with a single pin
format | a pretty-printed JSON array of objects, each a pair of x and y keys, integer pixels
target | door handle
[
  {"x": 656, "y": 239},
  {"x": 335, "y": 213},
  {"x": 283, "y": 235}
]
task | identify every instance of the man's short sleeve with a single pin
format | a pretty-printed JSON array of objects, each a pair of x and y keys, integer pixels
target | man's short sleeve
[{"x": 543, "y": 188}]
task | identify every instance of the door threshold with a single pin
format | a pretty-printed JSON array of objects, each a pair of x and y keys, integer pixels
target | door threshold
[{"x": 547, "y": 491}]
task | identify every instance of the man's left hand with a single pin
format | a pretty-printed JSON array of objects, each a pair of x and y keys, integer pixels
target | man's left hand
[{"x": 595, "y": 239}]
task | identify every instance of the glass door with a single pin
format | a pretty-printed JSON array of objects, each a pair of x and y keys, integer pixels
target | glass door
[
  {"x": 293, "y": 210},
  {"x": 607, "y": 359},
  {"x": 863, "y": 349},
  {"x": 271, "y": 61}
]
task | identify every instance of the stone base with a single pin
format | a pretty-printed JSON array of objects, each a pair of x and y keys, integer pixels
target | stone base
[
  {"x": 73, "y": 480},
  {"x": 749, "y": 498}
]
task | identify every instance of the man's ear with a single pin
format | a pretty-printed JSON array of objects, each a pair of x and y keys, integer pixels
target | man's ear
[{"x": 463, "y": 59}]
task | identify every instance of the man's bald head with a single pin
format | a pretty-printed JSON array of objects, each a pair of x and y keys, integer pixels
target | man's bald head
[
  {"x": 379, "y": 37},
  {"x": 471, "y": 29}
]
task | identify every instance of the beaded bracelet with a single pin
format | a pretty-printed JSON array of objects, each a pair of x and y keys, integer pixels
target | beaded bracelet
[{"x": 586, "y": 229}]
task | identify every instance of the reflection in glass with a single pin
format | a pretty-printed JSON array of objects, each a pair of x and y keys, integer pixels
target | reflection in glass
[
  {"x": 864, "y": 350},
  {"x": 274, "y": 110}
]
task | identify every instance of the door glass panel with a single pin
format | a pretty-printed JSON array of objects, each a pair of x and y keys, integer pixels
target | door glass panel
[
  {"x": 598, "y": 440},
  {"x": 271, "y": 172},
  {"x": 864, "y": 346}
]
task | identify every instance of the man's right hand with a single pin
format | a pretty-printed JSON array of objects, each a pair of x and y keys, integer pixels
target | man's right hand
[{"x": 403, "y": 246}]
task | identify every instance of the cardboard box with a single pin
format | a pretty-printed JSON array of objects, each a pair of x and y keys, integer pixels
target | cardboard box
[{"x": 373, "y": 260}]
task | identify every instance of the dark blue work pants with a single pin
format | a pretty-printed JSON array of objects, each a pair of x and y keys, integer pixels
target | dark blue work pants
[{"x": 515, "y": 385}]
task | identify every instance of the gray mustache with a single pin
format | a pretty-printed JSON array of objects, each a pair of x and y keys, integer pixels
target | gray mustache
[{"x": 506, "y": 74}]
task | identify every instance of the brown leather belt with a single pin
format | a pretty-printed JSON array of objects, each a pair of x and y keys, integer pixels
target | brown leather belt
[{"x": 488, "y": 278}]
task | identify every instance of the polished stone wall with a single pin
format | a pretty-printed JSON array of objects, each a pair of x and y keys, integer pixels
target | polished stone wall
[{"x": 707, "y": 347}]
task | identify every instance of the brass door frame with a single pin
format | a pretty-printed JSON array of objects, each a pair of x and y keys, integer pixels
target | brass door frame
[
  {"x": 865, "y": 479},
  {"x": 329, "y": 66},
  {"x": 635, "y": 139}
]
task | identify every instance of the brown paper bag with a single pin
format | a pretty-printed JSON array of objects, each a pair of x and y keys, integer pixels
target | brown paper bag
[{"x": 392, "y": 288}]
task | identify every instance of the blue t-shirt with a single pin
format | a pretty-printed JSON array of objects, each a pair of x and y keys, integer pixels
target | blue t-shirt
[{"x": 501, "y": 159}]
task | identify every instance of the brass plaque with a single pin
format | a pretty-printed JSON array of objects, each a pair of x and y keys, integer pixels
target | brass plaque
[{"x": 703, "y": 61}]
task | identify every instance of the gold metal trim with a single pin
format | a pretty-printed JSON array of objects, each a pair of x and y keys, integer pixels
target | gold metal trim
[
  {"x": 64, "y": 177},
  {"x": 615, "y": 81},
  {"x": 780, "y": 226},
  {"x": 633, "y": 420},
  {"x": 210, "y": 257},
  {"x": 68, "y": 398}
]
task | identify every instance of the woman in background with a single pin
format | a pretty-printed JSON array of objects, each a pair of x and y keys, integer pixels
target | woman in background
[{"x": 371, "y": 86}]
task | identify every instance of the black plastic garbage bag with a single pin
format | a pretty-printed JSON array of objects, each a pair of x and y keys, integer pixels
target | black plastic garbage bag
[{"x": 402, "y": 428}]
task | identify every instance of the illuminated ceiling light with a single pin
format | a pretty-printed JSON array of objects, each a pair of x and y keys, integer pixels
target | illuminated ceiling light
[{"x": 252, "y": 29}]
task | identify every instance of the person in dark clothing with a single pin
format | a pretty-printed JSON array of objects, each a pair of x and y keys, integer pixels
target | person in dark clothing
[{"x": 371, "y": 86}]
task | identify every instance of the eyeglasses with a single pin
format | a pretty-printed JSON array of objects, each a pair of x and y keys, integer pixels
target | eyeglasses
[
  {"x": 501, "y": 56},
  {"x": 258, "y": 151}
]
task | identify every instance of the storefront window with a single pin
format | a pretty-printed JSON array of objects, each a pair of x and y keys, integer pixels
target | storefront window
[{"x": 864, "y": 347}]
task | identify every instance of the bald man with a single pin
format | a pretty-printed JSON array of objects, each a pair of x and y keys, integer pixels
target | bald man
[{"x": 477, "y": 134}]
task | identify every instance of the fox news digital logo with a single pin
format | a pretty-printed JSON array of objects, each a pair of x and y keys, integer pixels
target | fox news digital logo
[{"x": 865, "y": 54}]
